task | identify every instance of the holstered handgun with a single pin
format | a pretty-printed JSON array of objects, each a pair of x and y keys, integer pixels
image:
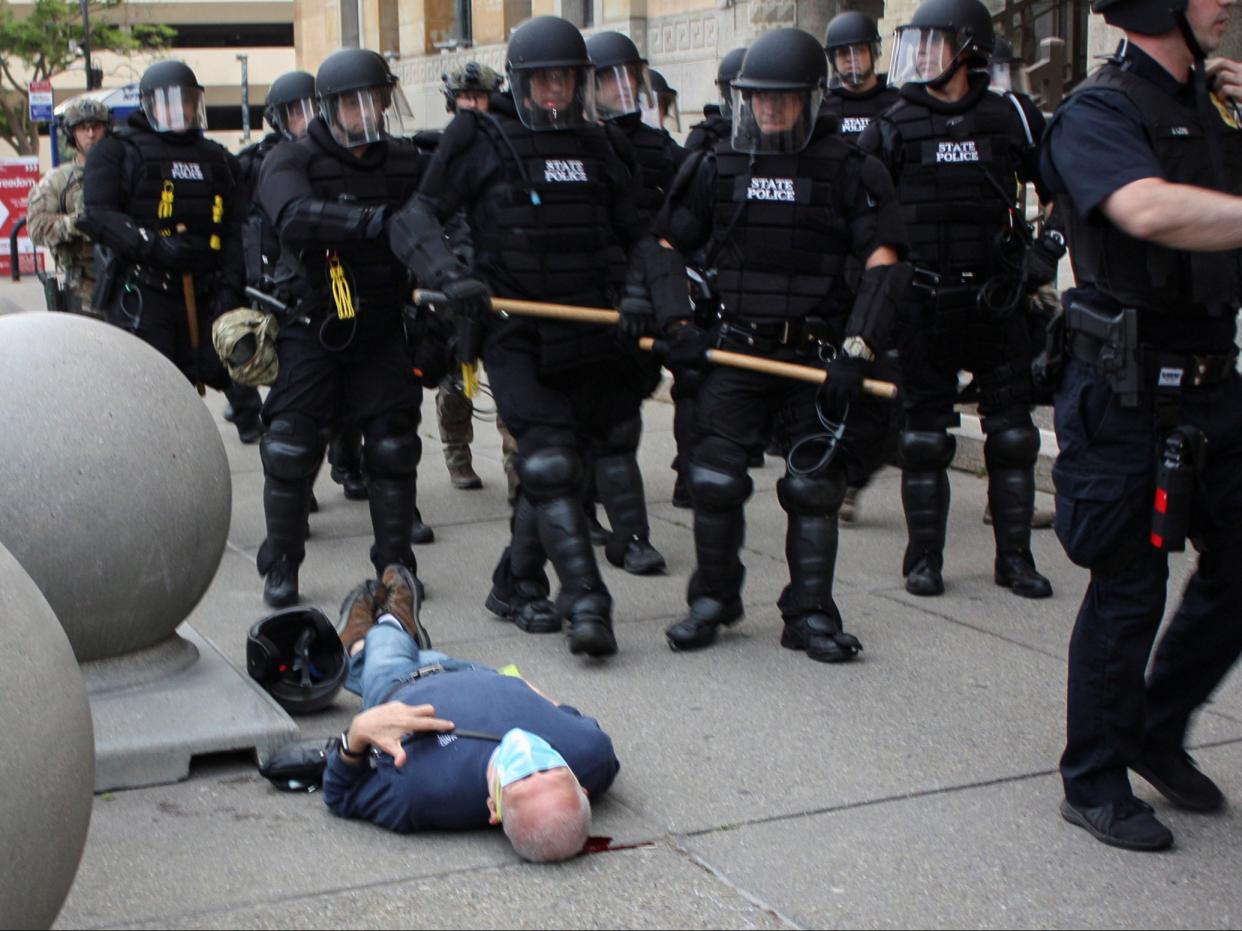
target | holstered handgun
[
  {"x": 54, "y": 295},
  {"x": 109, "y": 272},
  {"x": 1116, "y": 339}
]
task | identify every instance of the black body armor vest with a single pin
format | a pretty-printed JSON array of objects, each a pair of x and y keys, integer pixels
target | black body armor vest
[
  {"x": 1143, "y": 274},
  {"x": 260, "y": 242},
  {"x": 387, "y": 175},
  {"x": 854, "y": 111},
  {"x": 785, "y": 236},
  {"x": 543, "y": 230},
  {"x": 657, "y": 161},
  {"x": 715, "y": 129},
  {"x": 959, "y": 176},
  {"x": 177, "y": 180}
]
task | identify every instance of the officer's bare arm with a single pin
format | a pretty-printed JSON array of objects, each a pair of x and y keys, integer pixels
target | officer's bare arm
[{"x": 1180, "y": 216}]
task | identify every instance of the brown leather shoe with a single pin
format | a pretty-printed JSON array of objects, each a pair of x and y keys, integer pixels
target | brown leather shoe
[
  {"x": 357, "y": 615},
  {"x": 403, "y": 602}
]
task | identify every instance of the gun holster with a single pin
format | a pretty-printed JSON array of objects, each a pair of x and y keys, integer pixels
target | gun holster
[
  {"x": 55, "y": 296},
  {"x": 1110, "y": 343}
]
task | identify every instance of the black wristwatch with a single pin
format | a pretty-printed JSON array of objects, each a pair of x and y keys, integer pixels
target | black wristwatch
[{"x": 345, "y": 751}]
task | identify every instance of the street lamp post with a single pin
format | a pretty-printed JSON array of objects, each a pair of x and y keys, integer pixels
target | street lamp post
[
  {"x": 245, "y": 89},
  {"x": 86, "y": 43}
]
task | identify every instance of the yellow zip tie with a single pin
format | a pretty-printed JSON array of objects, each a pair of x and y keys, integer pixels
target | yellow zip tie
[
  {"x": 215, "y": 241},
  {"x": 341, "y": 297},
  {"x": 470, "y": 379},
  {"x": 217, "y": 217},
  {"x": 165, "y": 209}
]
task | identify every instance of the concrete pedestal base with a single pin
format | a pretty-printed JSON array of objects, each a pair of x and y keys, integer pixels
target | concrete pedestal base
[{"x": 146, "y": 734}]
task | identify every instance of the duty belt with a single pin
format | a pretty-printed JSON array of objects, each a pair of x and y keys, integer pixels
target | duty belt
[
  {"x": 1162, "y": 368},
  {"x": 170, "y": 282},
  {"x": 764, "y": 336},
  {"x": 931, "y": 281}
]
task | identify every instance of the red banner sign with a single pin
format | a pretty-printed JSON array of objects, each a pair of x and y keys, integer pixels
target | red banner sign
[{"x": 17, "y": 177}]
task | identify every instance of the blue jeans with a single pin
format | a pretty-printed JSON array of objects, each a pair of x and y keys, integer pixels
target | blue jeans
[{"x": 389, "y": 656}]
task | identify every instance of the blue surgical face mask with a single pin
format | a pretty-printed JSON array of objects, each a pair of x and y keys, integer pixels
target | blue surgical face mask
[{"x": 519, "y": 755}]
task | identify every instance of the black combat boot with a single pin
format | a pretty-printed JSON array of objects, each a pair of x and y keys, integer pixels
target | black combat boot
[
  {"x": 519, "y": 584},
  {"x": 280, "y": 584},
  {"x": 698, "y": 628},
  {"x": 391, "y": 501},
  {"x": 285, "y": 506},
  {"x": 925, "y": 497},
  {"x": 563, "y": 532},
  {"x": 715, "y": 591},
  {"x": 619, "y": 485},
  {"x": 1011, "y": 494}
]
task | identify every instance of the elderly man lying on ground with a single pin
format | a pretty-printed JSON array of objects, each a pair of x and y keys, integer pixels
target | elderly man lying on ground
[{"x": 444, "y": 744}]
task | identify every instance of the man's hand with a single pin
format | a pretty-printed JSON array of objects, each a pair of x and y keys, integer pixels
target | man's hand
[
  {"x": 686, "y": 346},
  {"x": 1225, "y": 77},
  {"x": 384, "y": 726}
]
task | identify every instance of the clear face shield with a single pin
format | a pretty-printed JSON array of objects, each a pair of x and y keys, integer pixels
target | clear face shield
[
  {"x": 774, "y": 122},
  {"x": 356, "y": 117},
  {"x": 726, "y": 99},
  {"x": 923, "y": 56},
  {"x": 1008, "y": 76},
  {"x": 549, "y": 99},
  {"x": 852, "y": 65},
  {"x": 175, "y": 109},
  {"x": 399, "y": 117},
  {"x": 293, "y": 118},
  {"x": 622, "y": 89}
]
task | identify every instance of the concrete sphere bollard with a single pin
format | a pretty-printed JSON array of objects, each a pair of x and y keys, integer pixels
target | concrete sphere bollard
[
  {"x": 47, "y": 772},
  {"x": 115, "y": 492}
]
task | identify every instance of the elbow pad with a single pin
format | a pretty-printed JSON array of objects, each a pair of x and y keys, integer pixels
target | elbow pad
[
  {"x": 418, "y": 240},
  {"x": 663, "y": 274},
  {"x": 880, "y": 292}
]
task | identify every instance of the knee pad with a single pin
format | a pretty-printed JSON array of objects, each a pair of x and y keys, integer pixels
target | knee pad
[
  {"x": 1012, "y": 448},
  {"x": 624, "y": 436},
  {"x": 393, "y": 447},
  {"x": 801, "y": 494},
  {"x": 551, "y": 472},
  {"x": 925, "y": 450},
  {"x": 714, "y": 489},
  {"x": 291, "y": 449}
]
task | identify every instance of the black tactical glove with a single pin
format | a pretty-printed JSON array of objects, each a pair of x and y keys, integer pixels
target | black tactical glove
[
  {"x": 844, "y": 385},
  {"x": 179, "y": 253},
  {"x": 637, "y": 313},
  {"x": 686, "y": 346},
  {"x": 469, "y": 299}
]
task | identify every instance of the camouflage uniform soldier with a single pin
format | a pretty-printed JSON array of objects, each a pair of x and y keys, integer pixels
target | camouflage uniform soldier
[{"x": 56, "y": 205}]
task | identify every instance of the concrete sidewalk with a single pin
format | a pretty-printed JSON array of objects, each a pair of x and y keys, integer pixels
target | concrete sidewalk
[{"x": 913, "y": 788}]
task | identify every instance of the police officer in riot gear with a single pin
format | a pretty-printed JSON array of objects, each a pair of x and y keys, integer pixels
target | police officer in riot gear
[
  {"x": 779, "y": 211},
  {"x": 163, "y": 200},
  {"x": 717, "y": 122},
  {"x": 288, "y": 108},
  {"x": 1146, "y": 167},
  {"x": 547, "y": 198},
  {"x": 667, "y": 115},
  {"x": 622, "y": 90},
  {"x": 341, "y": 347},
  {"x": 957, "y": 154},
  {"x": 857, "y": 92}
]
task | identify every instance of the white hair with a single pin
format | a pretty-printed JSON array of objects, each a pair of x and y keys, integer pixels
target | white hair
[{"x": 545, "y": 829}]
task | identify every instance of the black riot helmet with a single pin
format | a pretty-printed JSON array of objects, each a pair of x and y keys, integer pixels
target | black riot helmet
[
  {"x": 725, "y": 73},
  {"x": 850, "y": 37},
  {"x": 290, "y": 104},
  {"x": 1007, "y": 70},
  {"x": 778, "y": 91},
  {"x": 666, "y": 110},
  {"x": 622, "y": 79},
  {"x": 357, "y": 96},
  {"x": 172, "y": 98},
  {"x": 1146, "y": 17},
  {"x": 941, "y": 37},
  {"x": 550, "y": 75},
  {"x": 297, "y": 656}
]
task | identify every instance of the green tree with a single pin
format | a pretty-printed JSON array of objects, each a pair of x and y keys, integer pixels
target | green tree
[{"x": 45, "y": 42}]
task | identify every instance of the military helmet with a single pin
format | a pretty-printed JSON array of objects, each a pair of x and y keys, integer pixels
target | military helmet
[
  {"x": 1146, "y": 17},
  {"x": 83, "y": 110},
  {"x": 297, "y": 656},
  {"x": 245, "y": 341},
  {"x": 469, "y": 77}
]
